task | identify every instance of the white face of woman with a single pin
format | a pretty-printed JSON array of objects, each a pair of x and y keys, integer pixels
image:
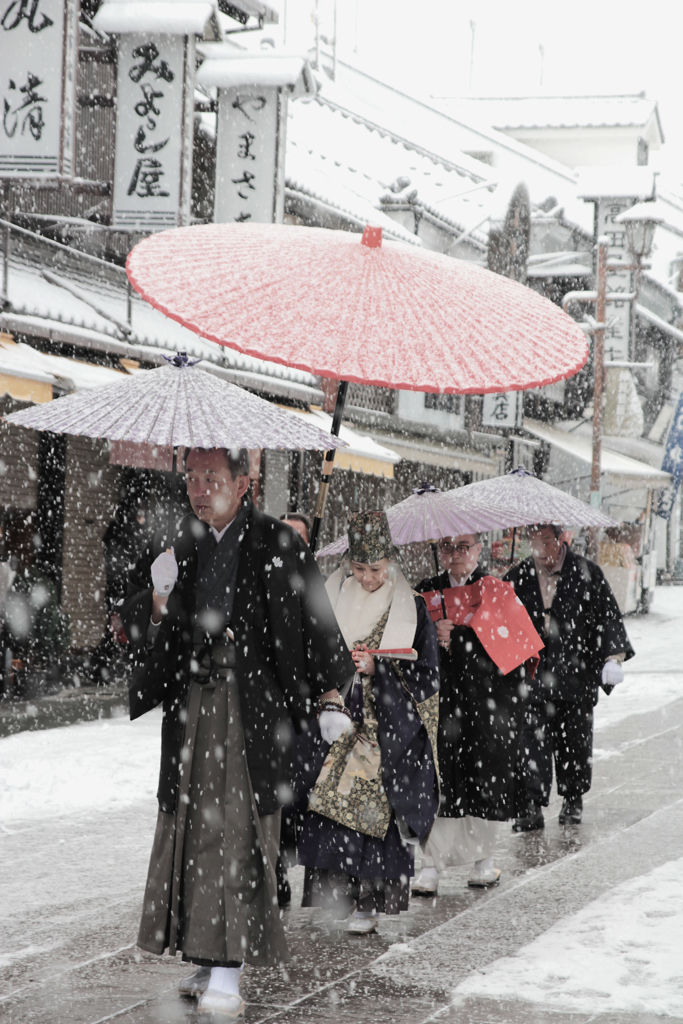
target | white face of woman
[{"x": 371, "y": 575}]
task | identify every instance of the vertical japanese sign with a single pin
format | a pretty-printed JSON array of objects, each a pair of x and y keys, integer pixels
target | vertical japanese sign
[
  {"x": 250, "y": 155},
  {"x": 38, "y": 48},
  {"x": 618, "y": 281},
  {"x": 503, "y": 410},
  {"x": 149, "y": 131}
]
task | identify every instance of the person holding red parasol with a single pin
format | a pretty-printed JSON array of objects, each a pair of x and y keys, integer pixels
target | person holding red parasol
[{"x": 480, "y": 722}]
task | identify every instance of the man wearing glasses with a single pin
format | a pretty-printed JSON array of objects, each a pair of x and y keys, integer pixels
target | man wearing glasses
[{"x": 480, "y": 721}]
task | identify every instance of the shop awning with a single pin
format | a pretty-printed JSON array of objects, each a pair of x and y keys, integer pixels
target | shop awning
[
  {"x": 30, "y": 376},
  {"x": 616, "y": 467},
  {"x": 20, "y": 377},
  {"x": 363, "y": 454},
  {"x": 445, "y": 457}
]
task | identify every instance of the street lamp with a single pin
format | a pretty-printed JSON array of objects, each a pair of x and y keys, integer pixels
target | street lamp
[{"x": 639, "y": 223}]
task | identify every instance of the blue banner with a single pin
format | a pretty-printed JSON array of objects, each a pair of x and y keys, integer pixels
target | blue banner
[{"x": 672, "y": 463}]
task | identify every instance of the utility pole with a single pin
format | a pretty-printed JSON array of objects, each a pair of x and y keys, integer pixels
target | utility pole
[
  {"x": 541, "y": 50},
  {"x": 599, "y": 368},
  {"x": 473, "y": 29},
  {"x": 334, "y": 45},
  {"x": 317, "y": 35}
]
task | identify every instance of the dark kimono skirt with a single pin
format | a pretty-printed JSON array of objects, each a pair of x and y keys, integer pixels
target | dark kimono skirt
[
  {"x": 481, "y": 713},
  {"x": 374, "y": 794}
]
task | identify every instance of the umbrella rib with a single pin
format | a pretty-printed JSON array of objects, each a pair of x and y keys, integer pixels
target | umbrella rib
[
  {"x": 93, "y": 419},
  {"x": 158, "y": 414},
  {"x": 182, "y": 382}
]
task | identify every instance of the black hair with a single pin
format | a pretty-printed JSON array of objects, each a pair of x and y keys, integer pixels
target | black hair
[
  {"x": 477, "y": 537},
  {"x": 236, "y": 458},
  {"x": 557, "y": 528},
  {"x": 298, "y": 517}
]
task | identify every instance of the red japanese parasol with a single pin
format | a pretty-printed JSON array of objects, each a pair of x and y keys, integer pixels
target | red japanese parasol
[{"x": 357, "y": 310}]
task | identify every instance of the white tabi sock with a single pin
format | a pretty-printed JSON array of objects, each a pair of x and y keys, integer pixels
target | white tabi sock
[
  {"x": 482, "y": 866},
  {"x": 364, "y": 913},
  {"x": 429, "y": 875},
  {"x": 225, "y": 979}
]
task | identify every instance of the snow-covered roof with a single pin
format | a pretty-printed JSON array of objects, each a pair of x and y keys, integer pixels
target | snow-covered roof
[
  {"x": 225, "y": 67},
  {"x": 175, "y": 17},
  {"x": 363, "y": 454},
  {"x": 19, "y": 360},
  {"x": 569, "y": 269},
  {"x": 346, "y": 160},
  {"x": 508, "y": 113},
  {"x": 266, "y": 13},
  {"x": 32, "y": 297},
  {"x": 613, "y": 464},
  {"x": 466, "y": 147},
  {"x": 341, "y": 99},
  {"x": 615, "y": 182},
  {"x": 426, "y": 124}
]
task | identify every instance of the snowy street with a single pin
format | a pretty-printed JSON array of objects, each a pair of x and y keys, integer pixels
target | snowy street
[{"x": 585, "y": 922}]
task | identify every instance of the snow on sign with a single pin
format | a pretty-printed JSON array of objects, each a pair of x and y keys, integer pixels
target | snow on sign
[
  {"x": 250, "y": 147},
  {"x": 618, "y": 313},
  {"x": 37, "y": 83},
  {"x": 503, "y": 409},
  {"x": 149, "y": 131}
]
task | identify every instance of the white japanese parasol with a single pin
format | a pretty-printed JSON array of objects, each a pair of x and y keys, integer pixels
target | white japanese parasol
[
  {"x": 517, "y": 499},
  {"x": 173, "y": 406},
  {"x": 531, "y": 500},
  {"x": 428, "y": 513}
]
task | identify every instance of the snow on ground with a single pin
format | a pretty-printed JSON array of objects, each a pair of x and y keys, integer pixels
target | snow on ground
[
  {"x": 621, "y": 953},
  {"x": 90, "y": 766},
  {"x": 654, "y": 677},
  {"x": 114, "y": 763},
  {"x": 638, "y": 694},
  {"x": 656, "y": 637}
]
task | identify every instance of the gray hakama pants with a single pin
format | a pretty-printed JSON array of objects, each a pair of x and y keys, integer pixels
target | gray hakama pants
[{"x": 211, "y": 889}]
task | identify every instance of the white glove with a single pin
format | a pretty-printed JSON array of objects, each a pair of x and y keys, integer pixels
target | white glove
[
  {"x": 164, "y": 573},
  {"x": 612, "y": 673},
  {"x": 334, "y": 724}
]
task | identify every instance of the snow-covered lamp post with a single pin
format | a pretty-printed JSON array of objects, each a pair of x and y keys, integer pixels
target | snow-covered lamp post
[
  {"x": 154, "y": 108},
  {"x": 614, "y": 190},
  {"x": 640, "y": 222},
  {"x": 253, "y": 93}
]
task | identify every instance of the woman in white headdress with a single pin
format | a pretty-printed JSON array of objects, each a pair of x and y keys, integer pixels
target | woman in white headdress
[{"x": 376, "y": 795}]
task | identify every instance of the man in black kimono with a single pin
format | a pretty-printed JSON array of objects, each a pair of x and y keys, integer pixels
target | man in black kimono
[
  {"x": 234, "y": 633},
  {"x": 573, "y": 608},
  {"x": 480, "y": 721}
]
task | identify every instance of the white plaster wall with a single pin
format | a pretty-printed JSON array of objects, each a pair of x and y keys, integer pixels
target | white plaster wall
[{"x": 411, "y": 406}]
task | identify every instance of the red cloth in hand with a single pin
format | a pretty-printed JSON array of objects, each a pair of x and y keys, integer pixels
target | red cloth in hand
[{"x": 501, "y": 622}]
